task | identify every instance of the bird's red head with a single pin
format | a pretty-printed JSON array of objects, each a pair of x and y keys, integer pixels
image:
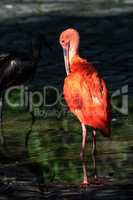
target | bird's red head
[{"x": 69, "y": 40}]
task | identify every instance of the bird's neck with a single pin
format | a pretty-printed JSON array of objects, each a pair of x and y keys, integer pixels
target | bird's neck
[
  {"x": 72, "y": 54},
  {"x": 78, "y": 63}
]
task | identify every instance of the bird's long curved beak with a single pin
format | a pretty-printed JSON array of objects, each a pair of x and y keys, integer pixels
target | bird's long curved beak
[{"x": 66, "y": 60}]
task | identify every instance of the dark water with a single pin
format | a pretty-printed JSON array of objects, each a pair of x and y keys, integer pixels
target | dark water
[
  {"x": 106, "y": 40},
  {"x": 52, "y": 156}
]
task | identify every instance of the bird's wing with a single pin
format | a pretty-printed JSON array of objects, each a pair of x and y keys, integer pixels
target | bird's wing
[
  {"x": 72, "y": 91},
  {"x": 87, "y": 97},
  {"x": 8, "y": 68},
  {"x": 4, "y": 55},
  {"x": 15, "y": 69},
  {"x": 4, "y": 58},
  {"x": 94, "y": 88},
  {"x": 86, "y": 86},
  {"x": 13, "y": 72},
  {"x": 96, "y": 101}
]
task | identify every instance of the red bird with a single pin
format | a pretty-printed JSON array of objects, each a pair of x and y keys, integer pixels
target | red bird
[{"x": 85, "y": 91}]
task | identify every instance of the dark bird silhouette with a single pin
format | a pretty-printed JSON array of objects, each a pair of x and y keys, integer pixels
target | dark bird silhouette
[{"x": 17, "y": 69}]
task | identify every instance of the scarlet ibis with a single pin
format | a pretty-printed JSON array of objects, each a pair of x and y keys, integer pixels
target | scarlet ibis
[
  {"x": 18, "y": 68},
  {"x": 85, "y": 92}
]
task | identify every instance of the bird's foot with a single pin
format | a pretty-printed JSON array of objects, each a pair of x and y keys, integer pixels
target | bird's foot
[
  {"x": 84, "y": 185},
  {"x": 97, "y": 181}
]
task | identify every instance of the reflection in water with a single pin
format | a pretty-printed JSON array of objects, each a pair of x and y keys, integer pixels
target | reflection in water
[
  {"x": 53, "y": 155},
  {"x": 58, "y": 148}
]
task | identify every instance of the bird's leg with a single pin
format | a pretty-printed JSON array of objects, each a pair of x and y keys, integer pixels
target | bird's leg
[
  {"x": 30, "y": 129},
  {"x": 33, "y": 119},
  {"x": 2, "y": 138},
  {"x": 96, "y": 181},
  {"x": 83, "y": 141},
  {"x": 85, "y": 182},
  {"x": 93, "y": 136},
  {"x": 31, "y": 126}
]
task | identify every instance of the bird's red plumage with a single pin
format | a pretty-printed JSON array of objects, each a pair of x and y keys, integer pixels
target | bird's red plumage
[{"x": 86, "y": 95}]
